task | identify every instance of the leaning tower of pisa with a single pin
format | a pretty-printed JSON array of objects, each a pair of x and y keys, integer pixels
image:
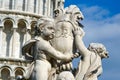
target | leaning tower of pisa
[{"x": 17, "y": 19}]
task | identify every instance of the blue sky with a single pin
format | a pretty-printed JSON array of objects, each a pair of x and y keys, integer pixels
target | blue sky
[{"x": 102, "y": 24}]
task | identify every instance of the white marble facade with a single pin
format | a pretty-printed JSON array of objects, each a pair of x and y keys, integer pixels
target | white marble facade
[
  {"x": 33, "y": 6},
  {"x": 17, "y": 19}
]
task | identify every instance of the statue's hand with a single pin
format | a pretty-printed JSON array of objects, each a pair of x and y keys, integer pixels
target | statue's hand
[
  {"x": 76, "y": 55},
  {"x": 69, "y": 57},
  {"x": 72, "y": 56},
  {"x": 79, "y": 31}
]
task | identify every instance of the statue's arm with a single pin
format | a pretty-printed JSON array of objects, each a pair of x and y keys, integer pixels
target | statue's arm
[
  {"x": 79, "y": 33},
  {"x": 85, "y": 53},
  {"x": 54, "y": 53}
]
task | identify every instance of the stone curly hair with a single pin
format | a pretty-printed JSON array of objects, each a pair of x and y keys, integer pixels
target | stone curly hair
[
  {"x": 41, "y": 23},
  {"x": 96, "y": 47}
]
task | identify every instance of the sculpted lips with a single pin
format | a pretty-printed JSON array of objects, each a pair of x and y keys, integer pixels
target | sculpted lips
[{"x": 52, "y": 36}]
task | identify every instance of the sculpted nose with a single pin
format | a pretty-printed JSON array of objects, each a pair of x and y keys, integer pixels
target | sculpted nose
[
  {"x": 106, "y": 54},
  {"x": 80, "y": 17},
  {"x": 53, "y": 32}
]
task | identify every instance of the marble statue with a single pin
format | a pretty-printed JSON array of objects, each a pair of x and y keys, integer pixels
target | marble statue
[
  {"x": 67, "y": 30},
  {"x": 43, "y": 52},
  {"x": 97, "y": 52},
  {"x": 56, "y": 43},
  {"x": 64, "y": 27}
]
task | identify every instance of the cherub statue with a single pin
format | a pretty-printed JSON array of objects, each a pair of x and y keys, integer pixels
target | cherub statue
[
  {"x": 55, "y": 43},
  {"x": 41, "y": 51},
  {"x": 64, "y": 37},
  {"x": 97, "y": 52}
]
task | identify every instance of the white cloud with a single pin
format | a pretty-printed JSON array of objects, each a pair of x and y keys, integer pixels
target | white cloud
[
  {"x": 95, "y": 12},
  {"x": 99, "y": 25}
]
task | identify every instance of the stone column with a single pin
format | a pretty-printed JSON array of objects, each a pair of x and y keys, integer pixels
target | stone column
[
  {"x": 56, "y": 4},
  {"x": 30, "y": 6},
  {"x": 13, "y": 43},
  {"x": 14, "y": 39},
  {"x": 49, "y": 1},
  {"x": 13, "y": 4},
  {"x": 36, "y": 6},
  {"x": 1, "y": 31},
  {"x": 3, "y": 3},
  {"x": 16, "y": 3},
  {"x": 46, "y": 8},
  {"x": 26, "y": 1},
  {"x": 51, "y": 7},
  {"x": 40, "y": 7},
  {"x": 43, "y": 12}
]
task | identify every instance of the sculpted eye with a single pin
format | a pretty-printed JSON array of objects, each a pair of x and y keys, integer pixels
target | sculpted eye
[
  {"x": 100, "y": 50},
  {"x": 51, "y": 28}
]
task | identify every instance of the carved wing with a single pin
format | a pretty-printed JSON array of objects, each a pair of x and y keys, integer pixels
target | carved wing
[{"x": 27, "y": 49}]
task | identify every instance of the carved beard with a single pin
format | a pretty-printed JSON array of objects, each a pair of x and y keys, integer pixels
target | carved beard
[
  {"x": 80, "y": 25},
  {"x": 49, "y": 37}
]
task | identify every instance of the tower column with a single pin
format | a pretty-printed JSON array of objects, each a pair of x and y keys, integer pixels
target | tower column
[
  {"x": 14, "y": 39},
  {"x": 15, "y": 7},
  {"x": 30, "y": 6},
  {"x": 3, "y": 3},
  {"x": 13, "y": 43},
  {"x": 40, "y": 8},
  {"x": 49, "y": 1},
  {"x": 1, "y": 31},
  {"x": 46, "y": 7},
  {"x": 26, "y": 1},
  {"x": 13, "y": 4},
  {"x": 36, "y": 6}
]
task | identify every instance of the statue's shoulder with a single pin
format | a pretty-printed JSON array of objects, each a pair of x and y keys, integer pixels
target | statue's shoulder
[{"x": 28, "y": 45}]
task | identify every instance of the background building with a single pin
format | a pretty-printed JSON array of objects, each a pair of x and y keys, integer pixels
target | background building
[{"x": 17, "y": 19}]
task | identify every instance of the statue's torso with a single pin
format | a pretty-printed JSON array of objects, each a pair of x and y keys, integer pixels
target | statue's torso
[
  {"x": 63, "y": 40},
  {"x": 39, "y": 53}
]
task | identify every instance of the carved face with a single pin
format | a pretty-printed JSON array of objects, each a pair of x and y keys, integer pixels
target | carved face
[
  {"x": 58, "y": 13},
  {"x": 48, "y": 30},
  {"x": 99, "y": 49},
  {"x": 77, "y": 15},
  {"x": 104, "y": 54}
]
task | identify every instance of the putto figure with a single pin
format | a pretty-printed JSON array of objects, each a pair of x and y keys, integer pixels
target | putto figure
[
  {"x": 97, "y": 52},
  {"x": 42, "y": 52},
  {"x": 64, "y": 28},
  {"x": 68, "y": 31},
  {"x": 57, "y": 41}
]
